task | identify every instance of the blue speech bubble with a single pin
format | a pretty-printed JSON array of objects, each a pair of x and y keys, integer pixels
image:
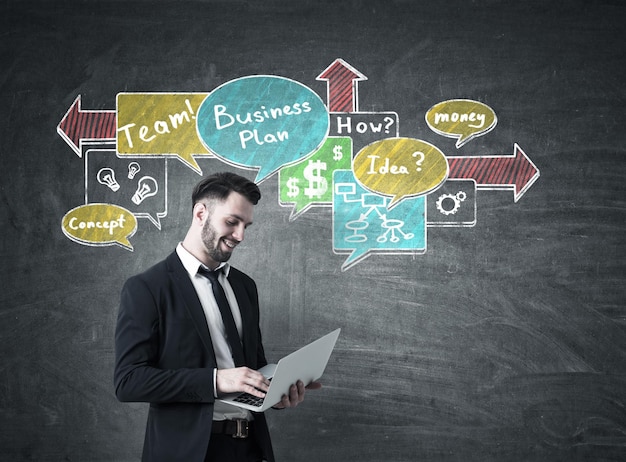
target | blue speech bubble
[
  {"x": 262, "y": 122},
  {"x": 362, "y": 224}
]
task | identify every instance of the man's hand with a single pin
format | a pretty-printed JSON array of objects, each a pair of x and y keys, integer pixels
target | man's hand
[
  {"x": 296, "y": 394},
  {"x": 241, "y": 379}
]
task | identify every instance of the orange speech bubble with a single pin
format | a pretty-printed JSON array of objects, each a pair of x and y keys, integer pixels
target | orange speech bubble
[
  {"x": 100, "y": 224},
  {"x": 461, "y": 118},
  {"x": 159, "y": 124},
  {"x": 400, "y": 167}
]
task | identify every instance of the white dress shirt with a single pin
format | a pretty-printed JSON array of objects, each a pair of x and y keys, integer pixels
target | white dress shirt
[{"x": 215, "y": 324}]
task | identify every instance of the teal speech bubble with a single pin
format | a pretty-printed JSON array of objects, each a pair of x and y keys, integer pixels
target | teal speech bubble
[
  {"x": 363, "y": 225},
  {"x": 262, "y": 122}
]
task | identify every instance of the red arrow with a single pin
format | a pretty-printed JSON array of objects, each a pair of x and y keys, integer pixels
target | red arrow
[
  {"x": 516, "y": 172},
  {"x": 342, "y": 86},
  {"x": 78, "y": 127}
]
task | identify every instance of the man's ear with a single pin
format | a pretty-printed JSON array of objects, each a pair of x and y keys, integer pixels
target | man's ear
[{"x": 199, "y": 213}]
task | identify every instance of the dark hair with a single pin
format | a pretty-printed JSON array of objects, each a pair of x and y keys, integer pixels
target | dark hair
[{"x": 220, "y": 185}]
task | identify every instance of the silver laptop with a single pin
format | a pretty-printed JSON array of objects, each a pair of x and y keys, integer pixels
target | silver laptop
[{"x": 306, "y": 364}]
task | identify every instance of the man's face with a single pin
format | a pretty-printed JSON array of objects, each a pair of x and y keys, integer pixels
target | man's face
[{"x": 225, "y": 227}]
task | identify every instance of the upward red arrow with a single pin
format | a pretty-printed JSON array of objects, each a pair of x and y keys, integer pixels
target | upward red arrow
[
  {"x": 342, "y": 86},
  {"x": 78, "y": 127},
  {"x": 516, "y": 172}
]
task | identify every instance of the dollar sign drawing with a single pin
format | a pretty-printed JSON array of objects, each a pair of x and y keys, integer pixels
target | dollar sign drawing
[
  {"x": 337, "y": 153},
  {"x": 317, "y": 183},
  {"x": 292, "y": 184}
]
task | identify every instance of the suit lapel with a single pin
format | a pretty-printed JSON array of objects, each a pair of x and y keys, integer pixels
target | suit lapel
[{"x": 183, "y": 284}]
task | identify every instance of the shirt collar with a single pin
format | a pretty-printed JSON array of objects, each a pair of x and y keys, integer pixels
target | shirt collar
[{"x": 192, "y": 264}]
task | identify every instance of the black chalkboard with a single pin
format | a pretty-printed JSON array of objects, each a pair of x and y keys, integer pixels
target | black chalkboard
[{"x": 501, "y": 336}]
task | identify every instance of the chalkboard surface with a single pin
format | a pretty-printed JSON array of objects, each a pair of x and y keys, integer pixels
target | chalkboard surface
[{"x": 500, "y": 337}]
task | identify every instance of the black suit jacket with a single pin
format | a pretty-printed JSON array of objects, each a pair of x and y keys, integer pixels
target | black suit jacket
[{"x": 164, "y": 356}]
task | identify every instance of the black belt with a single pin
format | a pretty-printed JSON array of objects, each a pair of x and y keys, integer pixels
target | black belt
[{"x": 238, "y": 428}]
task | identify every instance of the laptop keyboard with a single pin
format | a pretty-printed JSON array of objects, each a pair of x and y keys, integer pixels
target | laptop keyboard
[
  {"x": 252, "y": 400},
  {"x": 247, "y": 398}
]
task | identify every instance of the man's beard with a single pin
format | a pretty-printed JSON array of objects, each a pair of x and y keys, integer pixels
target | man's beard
[{"x": 212, "y": 244}]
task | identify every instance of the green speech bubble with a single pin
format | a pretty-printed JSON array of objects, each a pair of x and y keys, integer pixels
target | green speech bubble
[
  {"x": 461, "y": 118},
  {"x": 400, "y": 167},
  {"x": 100, "y": 224},
  {"x": 308, "y": 183}
]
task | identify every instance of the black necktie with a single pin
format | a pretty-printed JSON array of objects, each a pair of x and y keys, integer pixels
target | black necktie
[{"x": 232, "y": 336}]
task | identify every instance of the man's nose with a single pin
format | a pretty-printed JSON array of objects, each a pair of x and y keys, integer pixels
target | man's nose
[{"x": 239, "y": 233}]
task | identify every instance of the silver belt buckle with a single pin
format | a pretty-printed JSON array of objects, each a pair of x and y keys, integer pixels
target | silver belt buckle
[{"x": 242, "y": 429}]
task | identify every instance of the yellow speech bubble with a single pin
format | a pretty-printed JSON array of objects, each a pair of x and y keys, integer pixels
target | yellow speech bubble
[
  {"x": 100, "y": 224},
  {"x": 157, "y": 124},
  {"x": 400, "y": 167},
  {"x": 464, "y": 119}
]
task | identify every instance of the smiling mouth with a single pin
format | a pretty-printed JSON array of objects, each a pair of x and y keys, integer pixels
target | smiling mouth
[{"x": 230, "y": 244}]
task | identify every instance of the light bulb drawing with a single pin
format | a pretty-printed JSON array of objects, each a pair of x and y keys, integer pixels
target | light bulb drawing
[
  {"x": 106, "y": 176},
  {"x": 133, "y": 169},
  {"x": 146, "y": 187}
]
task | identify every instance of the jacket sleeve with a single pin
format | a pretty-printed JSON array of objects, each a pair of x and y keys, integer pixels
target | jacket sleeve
[{"x": 149, "y": 363}]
